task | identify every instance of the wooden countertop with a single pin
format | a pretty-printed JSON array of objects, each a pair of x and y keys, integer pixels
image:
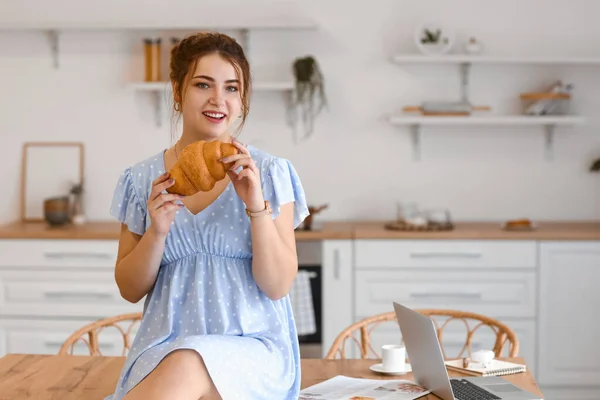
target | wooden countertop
[
  {"x": 545, "y": 230},
  {"x": 110, "y": 230},
  {"x": 45, "y": 377},
  {"x": 565, "y": 230}
]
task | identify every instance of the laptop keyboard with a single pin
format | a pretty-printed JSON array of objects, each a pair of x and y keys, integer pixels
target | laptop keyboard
[{"x": 465, "y": 390}]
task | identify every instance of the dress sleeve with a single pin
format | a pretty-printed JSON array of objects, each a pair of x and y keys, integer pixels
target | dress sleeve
[
  {"x": 281, "y": 184},
  {"x": 126, "y": 205}
]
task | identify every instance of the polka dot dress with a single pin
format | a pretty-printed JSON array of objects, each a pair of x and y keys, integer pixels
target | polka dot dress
[{"x": 205, "y": 297}]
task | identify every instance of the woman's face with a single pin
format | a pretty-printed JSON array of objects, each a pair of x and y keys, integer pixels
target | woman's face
[{"x": 212, "y": 101}]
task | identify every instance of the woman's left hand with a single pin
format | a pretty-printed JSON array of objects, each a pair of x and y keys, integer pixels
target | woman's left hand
[{"x": 247, "y": 182}]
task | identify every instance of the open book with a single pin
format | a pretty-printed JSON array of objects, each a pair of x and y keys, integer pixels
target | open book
[
  {"x": 345, "y": 388},
  {"x": 494, "y": 368}
]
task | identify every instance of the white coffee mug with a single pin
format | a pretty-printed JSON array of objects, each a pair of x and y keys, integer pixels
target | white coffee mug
[{"x": 393, "y": 357}]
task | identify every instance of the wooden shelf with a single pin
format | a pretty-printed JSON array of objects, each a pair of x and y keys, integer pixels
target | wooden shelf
[
  {"x": 549, "y": 123},
  {"x": 483, "y": 59}
]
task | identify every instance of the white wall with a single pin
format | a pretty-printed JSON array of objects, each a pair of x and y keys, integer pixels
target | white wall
[{"x": 355, "y": 161}]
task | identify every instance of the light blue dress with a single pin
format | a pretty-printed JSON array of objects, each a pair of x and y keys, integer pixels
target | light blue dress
[{"x": 205, "y": 297}]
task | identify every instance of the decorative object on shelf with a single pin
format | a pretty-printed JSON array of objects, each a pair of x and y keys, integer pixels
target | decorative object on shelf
[
  {"x": 308, "y": 97},
  {"x": 312, "y": 211},
  {"x": 553, "y": 101},
  {"x": 595, "y": 167},
  {"x": 426, "y": 227},
  {"x": 152, "y": 49},
  {"x": 522, "y": 224},
  {"x": 432, "y": 38},
  {"x": 445, "y": 108},
  {"x": 410, "y": 218},
  {"x": 473, "y": 46},
  {"x": 48, "y": 171},
  {"x": 77, "y": 215},
  {"x": 56, "y": 210}
]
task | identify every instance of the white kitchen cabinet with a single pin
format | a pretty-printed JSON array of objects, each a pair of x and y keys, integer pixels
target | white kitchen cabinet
[
  {"x": 496, "y": 278},
  {"x": 46, "y": 336},
  {"x": 499, "y": 294},
  {"x": 51, "y": 288},
  {"x": 568, "y": 308},
  {"x": 393, "y": 253},
  {"x": 338, "y": 277}
]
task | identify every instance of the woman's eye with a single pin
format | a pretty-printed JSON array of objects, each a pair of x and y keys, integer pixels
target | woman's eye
[
  {"x": 232, "y": 88},
  {"x": 202, "y": 85}
]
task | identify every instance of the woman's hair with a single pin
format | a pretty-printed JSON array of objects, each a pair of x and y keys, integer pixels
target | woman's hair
[{"x": 186, "y": 53}]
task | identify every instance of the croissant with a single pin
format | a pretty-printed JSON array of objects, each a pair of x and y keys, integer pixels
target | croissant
[{"x": 198, "y": 167}]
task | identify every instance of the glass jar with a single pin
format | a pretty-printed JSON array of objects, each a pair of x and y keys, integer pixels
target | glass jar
[{"x": 152, "y": 58}]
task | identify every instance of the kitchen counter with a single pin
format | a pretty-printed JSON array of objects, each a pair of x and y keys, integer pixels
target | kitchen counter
[
  {"x": 336, "y": 230},
  {"x": 110, "y": 230},
  {"x": 576, "y": 230}
]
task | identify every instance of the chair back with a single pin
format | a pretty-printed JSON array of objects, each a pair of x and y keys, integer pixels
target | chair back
[
  {"x": 359, "y": 333},
  {"x": 89, "y": 334}
]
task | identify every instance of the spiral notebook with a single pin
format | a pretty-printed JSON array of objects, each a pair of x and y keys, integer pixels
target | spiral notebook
[{"x": 494, "y": 368}]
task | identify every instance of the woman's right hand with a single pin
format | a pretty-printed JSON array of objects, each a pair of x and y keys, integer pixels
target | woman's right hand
[{"x": 162, "y": 206}]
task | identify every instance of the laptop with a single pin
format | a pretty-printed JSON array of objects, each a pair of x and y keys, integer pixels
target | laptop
[{"x": 429, "y": 370}]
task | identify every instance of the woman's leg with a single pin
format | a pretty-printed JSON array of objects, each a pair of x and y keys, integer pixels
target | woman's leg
[{"x": 181, "y": 375}]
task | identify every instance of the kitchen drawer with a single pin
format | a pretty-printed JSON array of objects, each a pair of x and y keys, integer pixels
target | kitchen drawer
[
  {"x": 496, "y": 294},
  {"x": 58, "y": 253},
  {"x": 392, "y": 253},
  {"x": 455, "y": 335},
  {"x": 92, "y": 294},
  {"x": 47, "y": 337}
]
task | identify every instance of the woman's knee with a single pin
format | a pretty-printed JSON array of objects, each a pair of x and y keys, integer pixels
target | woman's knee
[{"x": 181, "y": 374}]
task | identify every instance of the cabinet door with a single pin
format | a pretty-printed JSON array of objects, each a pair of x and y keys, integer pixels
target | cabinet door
[
  {"x": 568, "y": 323},
  {"x": 337, "y": 278},
  {"x": 46, "y": 336}
]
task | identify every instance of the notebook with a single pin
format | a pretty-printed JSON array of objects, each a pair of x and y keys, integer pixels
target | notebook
[{"x": 494, "y": 368}]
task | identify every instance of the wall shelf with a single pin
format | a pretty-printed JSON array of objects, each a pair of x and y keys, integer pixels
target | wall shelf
[
  {"x": 483, "y": 59},
  {"x": 160, "y": 89},
  {"x": 212, "y": 22},
  {"x": 244, "y": 25},
  {"x": 465, "y": 62},
  {"x": 549, "y": 123}
]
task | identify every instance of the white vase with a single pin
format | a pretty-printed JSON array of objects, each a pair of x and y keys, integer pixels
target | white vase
[{"x": 473, "y": 47}]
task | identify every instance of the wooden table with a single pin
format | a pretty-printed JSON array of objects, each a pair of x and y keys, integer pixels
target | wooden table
[{"x": 45, "y": 377}]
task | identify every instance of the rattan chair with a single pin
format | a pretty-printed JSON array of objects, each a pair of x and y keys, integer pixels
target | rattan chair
[
  {"x": 364, "y": 328},
  {"x": 93, "y": 330}
]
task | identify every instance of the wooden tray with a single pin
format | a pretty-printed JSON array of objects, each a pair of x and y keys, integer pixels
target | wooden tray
[
  {"x": 545, "y": 96},
  {"x": 403, "y": 226}
]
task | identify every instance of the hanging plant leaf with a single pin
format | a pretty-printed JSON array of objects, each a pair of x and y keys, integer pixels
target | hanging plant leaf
[{"x": 308, "y": 97}]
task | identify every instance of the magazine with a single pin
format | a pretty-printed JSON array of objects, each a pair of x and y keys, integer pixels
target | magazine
[{"x": 346, "y": 388}]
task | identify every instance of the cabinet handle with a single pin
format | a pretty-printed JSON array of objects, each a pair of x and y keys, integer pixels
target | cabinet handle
[
  {"x": 63, "y": 255},
  {"x": 445, "y": 255},
  {"x": 449, "y": 294},
  {"x": 78, "y": 294},
  {"x": 337, "y": 267}
]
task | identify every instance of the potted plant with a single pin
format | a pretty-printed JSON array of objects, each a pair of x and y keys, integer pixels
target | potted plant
[
  {"x": 308, "y": 97},
  {"x": 433, "y": 39}
]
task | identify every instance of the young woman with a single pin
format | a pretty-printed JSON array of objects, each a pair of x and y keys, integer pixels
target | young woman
[{"x": 217, "y": 319}]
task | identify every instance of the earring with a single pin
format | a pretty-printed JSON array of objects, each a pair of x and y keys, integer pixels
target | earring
[{"x": 177, "y": 106}]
